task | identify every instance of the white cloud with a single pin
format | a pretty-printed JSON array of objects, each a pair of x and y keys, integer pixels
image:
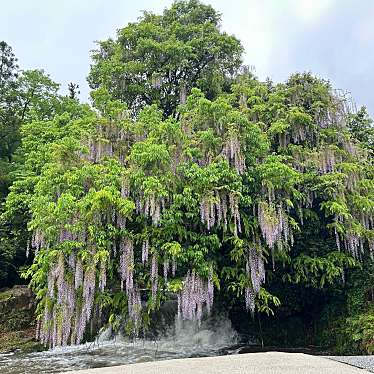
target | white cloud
[
  {"x": 310, "y": 10},
  {"x": 364, "y": 31}
]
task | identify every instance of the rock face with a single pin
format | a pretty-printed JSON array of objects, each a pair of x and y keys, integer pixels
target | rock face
[
  {"x": 16, "y": 308},
  {"x": 17, "y": 321}
]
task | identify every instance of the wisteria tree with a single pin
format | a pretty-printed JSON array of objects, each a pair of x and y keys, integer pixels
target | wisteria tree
[{"x": 128, "y": 211}]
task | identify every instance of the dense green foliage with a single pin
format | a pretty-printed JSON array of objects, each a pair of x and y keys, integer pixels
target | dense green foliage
[{"x": 188, "y": 177}]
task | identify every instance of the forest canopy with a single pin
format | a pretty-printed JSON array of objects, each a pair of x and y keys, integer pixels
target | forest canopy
[{"x": 188, "y": 178}]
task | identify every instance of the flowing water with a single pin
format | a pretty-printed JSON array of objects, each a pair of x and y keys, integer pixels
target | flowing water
[{"x": 213, "y": 337}]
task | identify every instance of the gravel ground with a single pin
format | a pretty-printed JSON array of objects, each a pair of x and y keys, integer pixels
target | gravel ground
[{"x": 364, "y": 362}]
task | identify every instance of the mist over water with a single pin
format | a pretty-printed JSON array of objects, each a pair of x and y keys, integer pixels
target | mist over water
[{"x": 215, "y": 336}]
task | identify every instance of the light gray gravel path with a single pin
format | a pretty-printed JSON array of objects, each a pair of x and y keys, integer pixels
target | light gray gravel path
[
  {"x": 250, "y": 363},
  {"x": 365, "y": 362}
]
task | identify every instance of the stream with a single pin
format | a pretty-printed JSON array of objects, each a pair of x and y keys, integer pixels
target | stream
[{"x": 182, "y": 340}]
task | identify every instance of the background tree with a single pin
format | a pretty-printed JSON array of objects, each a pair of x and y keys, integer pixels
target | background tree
[
  {"x": 8, "y": 64},
  {"x": 159, "y": 59},
  {"x": 25, "y": 97},
  {"x": 8, "y": 108},
  {"x": 73, "y": 90}
]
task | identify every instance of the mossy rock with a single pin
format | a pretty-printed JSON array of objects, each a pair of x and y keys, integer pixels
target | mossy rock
[
  {"x": 17, "y": 306},
  {"x": 17, "y": 320},
  {"x": 23, "y": 340}
]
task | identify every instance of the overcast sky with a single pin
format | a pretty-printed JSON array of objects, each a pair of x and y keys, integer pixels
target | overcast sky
[{"x": 332, "y": 38}]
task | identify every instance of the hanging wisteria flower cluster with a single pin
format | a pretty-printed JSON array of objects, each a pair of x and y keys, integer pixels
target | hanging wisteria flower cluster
[
  {"x": 99, "y": 149},
  {"x": 255, "y": 270},
  {"x": 328, "y": 160},
  {"x": 151, "y": 206},
  {"x": 214, "y": 208},
  {"x": 64, "y": 320},
  {"x": 335, "y": 114},
  {"x": 126, "y": 264},
  {"x": 274, "y": 224},
  {"x": 300, "y": 133},
  {"x": 145, "y": 251},
  {"x": 104, "y": 142},
  {"x": 233, "y": 153},
  {"x": 38, "y": 240},
  {"x": 196, "y": 293},
  {"x": 154, "y": 276},
  {"x": 352, "y": 241}
]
